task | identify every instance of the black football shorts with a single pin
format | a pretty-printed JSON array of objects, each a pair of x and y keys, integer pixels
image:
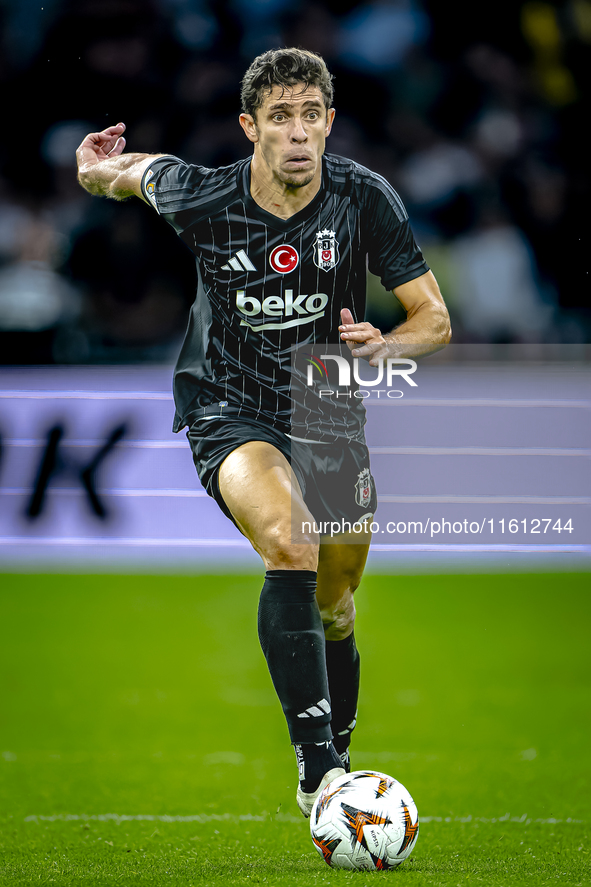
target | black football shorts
[{"x": 335, "y": 478}]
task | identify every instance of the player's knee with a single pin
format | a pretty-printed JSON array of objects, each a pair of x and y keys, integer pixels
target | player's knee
[
  {"x": 338, "y": 618},
  {"x": 338, "y": 607},
  {"x": 285, "y": 549}
]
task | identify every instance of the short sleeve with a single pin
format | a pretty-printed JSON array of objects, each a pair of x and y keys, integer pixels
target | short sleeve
[
  {"x": 171, "y": 185},
  {"x": 161, "y": 175},
  {"x": 393, "y": 253}
]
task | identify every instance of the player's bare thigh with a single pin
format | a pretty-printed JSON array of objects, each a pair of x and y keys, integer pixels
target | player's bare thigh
[
  {"x": 258, "y": 486},
  {"x": 341, "y": 563}
]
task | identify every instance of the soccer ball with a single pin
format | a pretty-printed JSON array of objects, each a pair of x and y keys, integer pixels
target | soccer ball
[{"x": 364, "y": 820}]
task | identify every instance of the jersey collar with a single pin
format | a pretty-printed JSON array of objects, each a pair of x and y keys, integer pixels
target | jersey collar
[{"x": 273, "y": 221}]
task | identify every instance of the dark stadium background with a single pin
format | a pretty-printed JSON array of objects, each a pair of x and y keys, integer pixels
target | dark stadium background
[
  {"x": 475, "y": 113},
  {"x": 140, "y": 737}
]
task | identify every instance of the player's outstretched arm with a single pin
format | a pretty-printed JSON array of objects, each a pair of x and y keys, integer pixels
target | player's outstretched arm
[
  {"x": 425, "y": 330},
  {"x": 105, "y": 171}
]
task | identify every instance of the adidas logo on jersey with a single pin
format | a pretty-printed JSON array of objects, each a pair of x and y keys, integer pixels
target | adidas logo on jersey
[
  {"x": 305, "y": 308},
  {"x": 239, "y": 262}
]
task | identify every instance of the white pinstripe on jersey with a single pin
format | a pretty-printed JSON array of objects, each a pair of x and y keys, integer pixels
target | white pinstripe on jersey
[{"x": 257, "y": 317}]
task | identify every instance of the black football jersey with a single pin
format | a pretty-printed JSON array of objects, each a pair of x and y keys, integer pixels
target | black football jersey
[{"x": 269, "y": 288}]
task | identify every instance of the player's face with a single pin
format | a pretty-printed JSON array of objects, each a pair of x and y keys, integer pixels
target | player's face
[{"x": 289, "y": 134}]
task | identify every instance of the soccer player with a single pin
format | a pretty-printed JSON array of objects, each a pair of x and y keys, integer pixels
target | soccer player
[{"x": 282, "y": 241}]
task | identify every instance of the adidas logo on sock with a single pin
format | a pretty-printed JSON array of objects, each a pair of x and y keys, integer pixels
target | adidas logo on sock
[
  {"x": 239, "y": 262},
  {"x": 316, "y": 711}
]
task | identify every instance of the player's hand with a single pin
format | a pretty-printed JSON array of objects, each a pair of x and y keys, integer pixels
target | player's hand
[
  {"x": 363, "y": 339},
  {"x": 98, "y": 146}
]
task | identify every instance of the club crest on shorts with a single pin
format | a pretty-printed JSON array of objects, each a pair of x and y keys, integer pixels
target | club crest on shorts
[
  {"x": 326, "y": 250},
  {"x": 363, "y": 488}
]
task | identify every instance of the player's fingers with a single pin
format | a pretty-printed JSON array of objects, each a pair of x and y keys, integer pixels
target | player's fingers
[
  {"x": 90, "y": 141},
  {"x": 346, "y": 316},
  {"x": 380, "y": 354},
  {"x": 352, "y": 327},
  {"x": 93, "y": 148},
  {"x": 104, "y": 140},
  {"x": 365, "y": 335},
  {"x": 113, "y": 131},
  {"x": 118, "y": 148},
  {"x": 365, "y": 328},
  {"x": 368, "y": 349}
]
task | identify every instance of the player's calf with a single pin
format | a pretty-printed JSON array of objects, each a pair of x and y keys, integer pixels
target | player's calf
[{"x": 343, "y": 670}]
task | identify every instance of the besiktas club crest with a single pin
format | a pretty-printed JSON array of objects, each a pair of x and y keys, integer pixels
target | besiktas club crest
[
  {"x": 363, "y": 488},
  {"x": 326, "y": 250}
]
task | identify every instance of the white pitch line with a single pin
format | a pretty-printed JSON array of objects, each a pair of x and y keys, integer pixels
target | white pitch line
[
  {"x": 203, "y": 818},
  {"x": 523, "y": 819},
  {"x": 405, "y": 402},
  {"x": 382, "y": 497},
  {"x": 484, "y": 500},
  {"x": 96, "y": 441},
  {"x": 84, "y": 395},
  {"x": 473, "y": 402},
  {"x": 116, "y": 491},
  {"x": 164, "y": 817},
  {"x": 27, "y": 442},
  {"x": 479, "y": 451},
  {"x": 114, "y": 541},
  {"x": 123, "y": 541},
  {"x": 477, "y": 547}
]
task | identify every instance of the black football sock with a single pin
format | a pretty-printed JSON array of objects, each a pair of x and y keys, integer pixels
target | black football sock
[
  {"x": 292, "y": 639},
  {"x": 342, "y": 665},
  {"x": 314, "y": 760}
]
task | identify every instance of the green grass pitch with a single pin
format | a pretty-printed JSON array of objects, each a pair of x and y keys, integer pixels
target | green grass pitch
[{"x": 141, "y": 742}]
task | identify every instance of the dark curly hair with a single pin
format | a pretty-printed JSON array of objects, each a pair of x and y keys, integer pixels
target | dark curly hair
[{"x": 285, "y": 68}]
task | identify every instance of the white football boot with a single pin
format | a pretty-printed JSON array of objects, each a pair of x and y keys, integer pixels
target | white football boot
[{"x": 306, "y": 801}]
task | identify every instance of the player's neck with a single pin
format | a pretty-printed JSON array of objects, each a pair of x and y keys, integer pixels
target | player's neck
[{"x": 278, "y": 198}]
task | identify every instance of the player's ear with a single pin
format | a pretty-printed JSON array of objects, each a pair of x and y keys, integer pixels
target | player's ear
[
  {"x": 329, "y": 121},
  {"x": 249, "y": 126}
]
